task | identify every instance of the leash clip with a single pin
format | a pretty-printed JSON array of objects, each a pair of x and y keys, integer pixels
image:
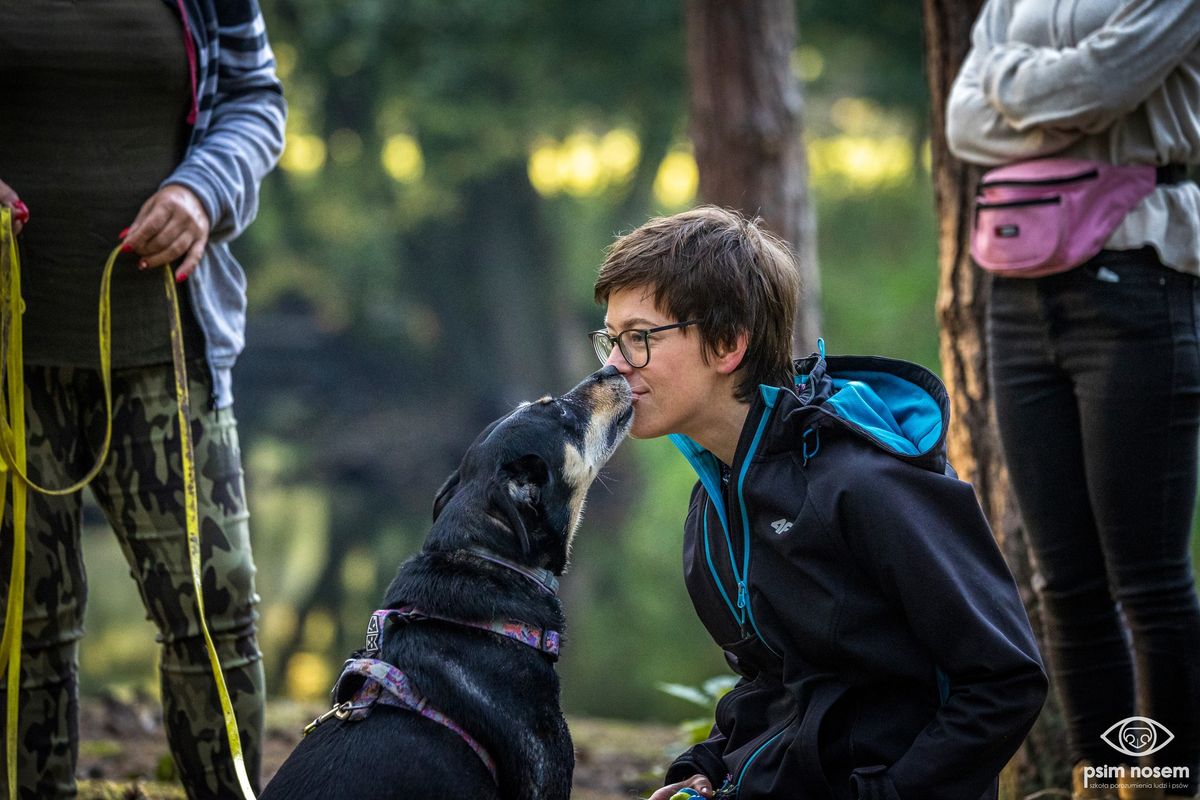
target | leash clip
[{"x": 341, "y": 711}]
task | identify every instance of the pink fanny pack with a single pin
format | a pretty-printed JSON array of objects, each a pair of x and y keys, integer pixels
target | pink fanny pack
[{"x": 1035, "y": 218}]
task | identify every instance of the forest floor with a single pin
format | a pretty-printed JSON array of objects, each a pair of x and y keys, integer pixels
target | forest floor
[{"x": 123, "y": 752}]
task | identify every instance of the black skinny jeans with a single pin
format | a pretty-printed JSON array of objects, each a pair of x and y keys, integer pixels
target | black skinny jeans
[{"x": 1096, "y": 374}]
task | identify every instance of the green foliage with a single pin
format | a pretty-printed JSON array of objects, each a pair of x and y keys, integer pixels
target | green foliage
[
  {"x": 473, "y": 84},
  {"x": 164, "y": 771},
  {"x": 407, "y": 284},
  {"x": 706, "y": 695},
  {"x": 137, "y": 790},
  {"x": 879, "y": 272},
  {"x": 638, "y": 627},
  {"x": 871, "y": 49}
]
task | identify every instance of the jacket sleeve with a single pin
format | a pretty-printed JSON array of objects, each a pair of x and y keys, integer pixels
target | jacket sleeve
[
  {"x": 246, "y": 132},
  {"x": 703, "y": 758},
  {"x": 1106, "y": 75},
  {"x": 923, "y": 538},
  {"x": 976, "y": 131}
]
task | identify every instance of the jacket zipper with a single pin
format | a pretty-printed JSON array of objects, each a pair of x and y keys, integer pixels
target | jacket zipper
[
  {"x": 739, "y": 618},
  {"x": 771, "y": 737},
  {"x": 742, "y": 612},
  {"x": 744, "y": 578},
  {"x": 706, "y": 465}
]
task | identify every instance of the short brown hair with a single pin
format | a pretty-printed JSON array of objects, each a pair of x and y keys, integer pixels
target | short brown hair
[{"x": 717, "y": 266}]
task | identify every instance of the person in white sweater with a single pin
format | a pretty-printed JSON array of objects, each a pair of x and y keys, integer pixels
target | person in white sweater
[{"x": 1096, "y": 371}]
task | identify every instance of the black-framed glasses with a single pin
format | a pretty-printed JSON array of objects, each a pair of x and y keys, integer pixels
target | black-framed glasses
[{"x": 634, "y": 344}]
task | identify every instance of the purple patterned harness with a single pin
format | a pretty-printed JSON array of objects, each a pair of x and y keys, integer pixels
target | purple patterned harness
[{"x": 379, "y": 682}]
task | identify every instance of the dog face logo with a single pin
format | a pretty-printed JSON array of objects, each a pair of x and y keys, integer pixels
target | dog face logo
[
  {"x": 372, "y": 645},
  {"x": 535, "y": 465},
  {"x": 1137, "y": 736}
]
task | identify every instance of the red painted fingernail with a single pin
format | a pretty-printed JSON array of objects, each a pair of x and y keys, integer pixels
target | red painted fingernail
[
  {"x": 180, "y": 278},
  {"x": 20, "y": 211},
  {"x": 126, "y": 248},
  {"x": 123, "y": 234}
]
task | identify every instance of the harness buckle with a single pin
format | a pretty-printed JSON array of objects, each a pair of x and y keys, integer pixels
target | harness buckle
[
  {"x": 341, "y": 711},
  {"x": 407, "y": 613}
]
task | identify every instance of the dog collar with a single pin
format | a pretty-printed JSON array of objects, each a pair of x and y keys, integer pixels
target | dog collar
[
  {"x": 544, "y": 578},
  {"x": 543, "y": 640}
]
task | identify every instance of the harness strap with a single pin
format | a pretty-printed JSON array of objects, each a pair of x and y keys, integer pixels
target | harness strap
[
  {"x": 543, "y": 640},
  {"x": 387, "y": 685}
]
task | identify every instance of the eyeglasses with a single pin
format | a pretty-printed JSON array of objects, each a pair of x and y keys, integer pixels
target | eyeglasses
[{"x": 634, "y": 344}]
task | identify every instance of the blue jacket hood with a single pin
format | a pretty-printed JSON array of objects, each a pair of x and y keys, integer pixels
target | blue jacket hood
[{"x": 898, "y": 406}]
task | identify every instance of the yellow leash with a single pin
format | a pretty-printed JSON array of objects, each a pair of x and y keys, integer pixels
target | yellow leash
[
  {"x": 192, "y": 512},
  {"x": 12, "y": 461}
]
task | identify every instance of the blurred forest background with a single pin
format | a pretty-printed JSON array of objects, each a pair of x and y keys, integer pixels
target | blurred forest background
[{"x": 423, "y": 261}]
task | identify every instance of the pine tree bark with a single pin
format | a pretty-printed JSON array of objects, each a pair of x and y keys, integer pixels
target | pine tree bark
[
  {"x": 973, "y": 441},
  {"x": 746, "y": 113}
]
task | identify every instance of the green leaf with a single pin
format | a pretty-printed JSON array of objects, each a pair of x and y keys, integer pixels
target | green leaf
[{"x": 689, "y": 693}]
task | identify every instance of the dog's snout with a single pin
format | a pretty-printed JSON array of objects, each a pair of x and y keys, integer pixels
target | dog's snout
[
  {"x": 611, "y": 379},
  {"x": 600, "y": 391}
]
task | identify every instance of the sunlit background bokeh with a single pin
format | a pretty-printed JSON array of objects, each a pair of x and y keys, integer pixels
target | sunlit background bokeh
[{"x": 423, "y": 259}]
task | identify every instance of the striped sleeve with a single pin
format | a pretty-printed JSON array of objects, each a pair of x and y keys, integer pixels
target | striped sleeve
[{"x": 239, "y": 129}]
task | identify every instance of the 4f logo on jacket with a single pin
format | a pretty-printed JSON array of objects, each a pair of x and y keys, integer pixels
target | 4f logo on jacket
[{"x": 781, "y": 526}]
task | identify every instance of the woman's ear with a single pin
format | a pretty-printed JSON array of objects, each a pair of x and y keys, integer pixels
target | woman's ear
[{"x": 729, "y": 359}]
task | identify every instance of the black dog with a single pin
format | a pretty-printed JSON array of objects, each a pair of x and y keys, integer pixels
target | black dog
[{"x": 455, "y": 694}]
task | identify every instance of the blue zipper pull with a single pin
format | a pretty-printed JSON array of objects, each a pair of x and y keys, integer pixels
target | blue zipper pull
[{"x": 743, "y": 599}]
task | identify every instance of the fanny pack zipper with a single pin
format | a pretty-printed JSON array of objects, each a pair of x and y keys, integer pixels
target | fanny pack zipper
[
  {"x": 981, "y": 205},
  {"x": 1035, "y": 201},
  {"x": 1082, "y": 176}
]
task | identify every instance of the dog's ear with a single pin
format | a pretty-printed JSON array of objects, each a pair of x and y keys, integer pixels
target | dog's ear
[
  {"x": 444, "y": 494},
  {"x": 506, "y": 511},
  {"x": 518, "y": 495}
]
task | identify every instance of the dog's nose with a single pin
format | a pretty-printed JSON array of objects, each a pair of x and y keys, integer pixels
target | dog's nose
[{"x": 607, "y": 372}]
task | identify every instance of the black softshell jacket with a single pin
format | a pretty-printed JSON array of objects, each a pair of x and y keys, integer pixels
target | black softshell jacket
[{"x": 854, "y": 585}]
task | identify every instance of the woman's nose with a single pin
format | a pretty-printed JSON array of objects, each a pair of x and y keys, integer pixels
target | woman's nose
[{"x": 617, "y": 359}]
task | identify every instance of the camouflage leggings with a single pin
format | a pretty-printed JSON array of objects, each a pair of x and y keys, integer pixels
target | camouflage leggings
[{"x": 141, "y": 492}]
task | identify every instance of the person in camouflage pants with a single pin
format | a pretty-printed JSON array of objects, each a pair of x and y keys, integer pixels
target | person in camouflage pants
[
  {"x": 150, "y": 125},
  {"x": 141, "y": 491}
]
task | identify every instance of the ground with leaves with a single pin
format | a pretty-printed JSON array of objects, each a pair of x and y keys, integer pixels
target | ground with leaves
[{"x": 123, "y": 752}]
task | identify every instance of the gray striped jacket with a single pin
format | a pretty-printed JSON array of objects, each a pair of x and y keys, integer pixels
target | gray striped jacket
[{"x": 238, "y": 116}]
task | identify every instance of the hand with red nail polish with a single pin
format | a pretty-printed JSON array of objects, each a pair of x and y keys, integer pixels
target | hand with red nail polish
[
  {"x": 171, "y": 227},
  {"x": 9, "y": 199}
]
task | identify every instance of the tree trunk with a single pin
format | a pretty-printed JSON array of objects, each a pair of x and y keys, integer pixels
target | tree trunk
[
  {"x": 746, "y": 128},
  {"x": 974, "y": 445}
]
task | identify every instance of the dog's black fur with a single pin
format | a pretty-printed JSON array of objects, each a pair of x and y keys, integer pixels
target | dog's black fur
[{"x": 519, "y": 493}]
